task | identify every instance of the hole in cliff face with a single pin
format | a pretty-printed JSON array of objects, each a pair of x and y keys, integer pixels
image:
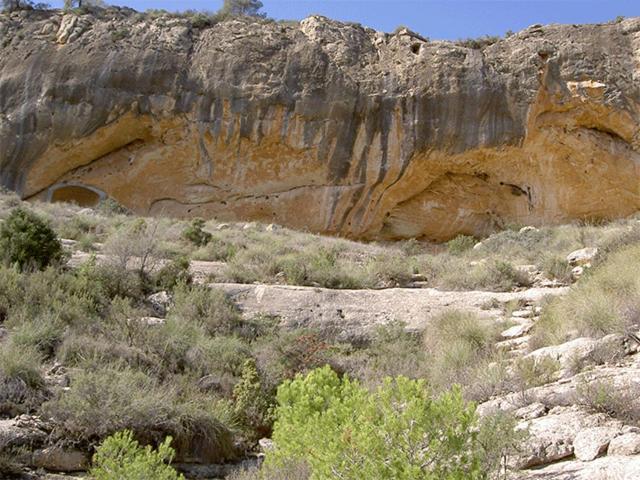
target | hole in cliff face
[
  {"x": 77, "y": 194},
  {"x": 415, "y": 48}
]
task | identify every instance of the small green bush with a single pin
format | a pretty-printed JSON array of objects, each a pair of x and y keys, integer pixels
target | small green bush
[
  {"x": 529, "y": 372},
  {"x": 196, "y": 234},
  {"x": 460, "y": 244},
  {"x": 252, "y": 404},
  {"x": 28, "y": 241},
  {"x": 173, "y": 273},
  {"x": 603, "y": 396},
  {"x": 121, "y": 457}
]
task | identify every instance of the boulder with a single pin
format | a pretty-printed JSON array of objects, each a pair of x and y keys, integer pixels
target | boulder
[
  {"x": 583, "y": 256},
  {"x": 266, "y": 444},
  {"x": 551, "y": 437},
  {"x": 625, "y": 444},
  {"x": 160, "y": 303},
  {"x": 592, "y": 442},
  {"x": 567, "y": 354},
  {"x": 20, "y": 432},
  {"x": 577, "y": 272},
  {"x": 517, "y": 330},
  {"x": 59, "y": 459},
  {"x": 529, "y": 412}
]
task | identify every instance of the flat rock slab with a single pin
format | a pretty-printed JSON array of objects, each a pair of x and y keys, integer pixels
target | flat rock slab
[
  {"x": 362, "y": 310},
  {"x": 605, "y": 468}
]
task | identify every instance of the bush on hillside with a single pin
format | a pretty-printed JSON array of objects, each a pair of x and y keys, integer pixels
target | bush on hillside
[
  {"x": 22, "y": 387},
  {"x": 460, "y": 348},
  {"x": 207, "y": 307},
  {"x": 120, "y": 456},
  {"x": 27, "y": 241},
  {"x": 460, "y": 244},
  {"x": 606, "y": 300},
  {"x": 196, "y": 234},
  {"x": 399, "y": 431},
  {"x": 111, "y": 398}
]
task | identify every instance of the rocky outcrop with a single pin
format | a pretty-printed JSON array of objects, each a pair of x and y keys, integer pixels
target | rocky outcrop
[
  {"x": 321, "y": 125},
  {"x": 356, "y": 314}
]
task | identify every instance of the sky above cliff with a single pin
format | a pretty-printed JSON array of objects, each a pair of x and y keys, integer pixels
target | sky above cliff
[{"x": 437, "y": 19}]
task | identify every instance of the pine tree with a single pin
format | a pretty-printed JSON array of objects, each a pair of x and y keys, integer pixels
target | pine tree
[{"x": 236, "y": 8}]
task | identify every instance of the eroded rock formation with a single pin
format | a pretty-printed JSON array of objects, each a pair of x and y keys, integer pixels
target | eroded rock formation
[{"x": 321, "y": 125}]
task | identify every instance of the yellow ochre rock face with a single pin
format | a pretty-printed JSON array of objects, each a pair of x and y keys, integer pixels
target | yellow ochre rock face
[{"x": 322, "y": 126}]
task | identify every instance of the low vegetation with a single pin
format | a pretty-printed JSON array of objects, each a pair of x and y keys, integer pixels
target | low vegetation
[
  {"x": 606, "y": 301},
  {"x": 217, "y": 381},
  {"x": 400, "y": 430},
  {"x": 120, "y": 456}
]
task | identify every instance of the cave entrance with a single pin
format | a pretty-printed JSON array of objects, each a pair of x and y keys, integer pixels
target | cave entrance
[{"x": 81, "y": 195}]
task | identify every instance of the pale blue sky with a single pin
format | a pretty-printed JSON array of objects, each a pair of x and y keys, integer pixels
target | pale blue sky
[{"x": 438, "y": 19}]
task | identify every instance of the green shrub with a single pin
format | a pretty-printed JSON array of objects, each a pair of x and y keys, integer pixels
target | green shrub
[
  {"x": 252, "y": 404},
  {"x": 111, "y": 207},
  {"x": 44, "y": 333},
  {"x": 173, "y": 273},
  {"x": 460, "y": 244},
  {"x": 196, "y": 234},
  {"x": 460, "y": 349},
  {"x": 392, "y": 352},
  {"x": 457, "y": 273},
  {"x": 501, "y": 440},
  {"x": 223, "y": 356},
  {"x": 399, "y": 431},
  {"x": 529, "y": 372},
  {"x": 28, "y": 241},
  {"x": 110, "y": 398},
  {"x": 617, "y": 401},
  {"x": 216, "y": 250},
  {"x": 556, "y": 266},
  {"x": 22, "y": 387},
  {"x": 121, "y": 457},
  {"x": 204, "y": 306},
  {"x": 291, "y": 471}
]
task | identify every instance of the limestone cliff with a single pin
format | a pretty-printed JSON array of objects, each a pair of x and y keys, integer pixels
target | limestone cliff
[{"x": 321, "y": 125}]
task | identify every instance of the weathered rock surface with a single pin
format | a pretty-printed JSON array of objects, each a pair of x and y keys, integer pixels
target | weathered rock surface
[
  {"x": 554, "y": 436},
  {"x": 591, "y": 443},
  {"x": 321, "y": 125},
  {"x": 625, "y": 444},
  {"x": 19, "y": 432},
  {"x": 60, "y": 459},
  {"x": 606, "y": 468},
  {"x": 357, "y": 312}
]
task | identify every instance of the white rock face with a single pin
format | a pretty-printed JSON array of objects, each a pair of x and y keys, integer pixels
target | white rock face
[{"x": 517, "y": 330}]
